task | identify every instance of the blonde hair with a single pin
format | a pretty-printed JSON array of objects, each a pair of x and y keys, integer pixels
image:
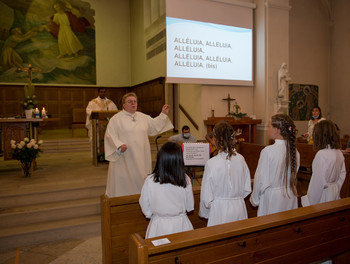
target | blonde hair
[
  {"x": 128, "y": 95},
  {"x": 287, "y": 130}
]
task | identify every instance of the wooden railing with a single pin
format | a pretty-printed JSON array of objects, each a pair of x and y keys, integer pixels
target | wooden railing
[{"x": 301, "y": 235}]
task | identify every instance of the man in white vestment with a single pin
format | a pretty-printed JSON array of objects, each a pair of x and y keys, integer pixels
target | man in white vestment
[
  {"x": 101, "y": 103},
  {"x": 127, "y": 146}
]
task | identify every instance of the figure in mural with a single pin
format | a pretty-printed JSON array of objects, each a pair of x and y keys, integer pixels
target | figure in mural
[
  {"x": 296, "y": 110},
  {"x": 284, "y": 78},
  {"x": 62, "y": 25},
  {"x": 10, "y": 58},
  {"x": 308, "y": 102}
]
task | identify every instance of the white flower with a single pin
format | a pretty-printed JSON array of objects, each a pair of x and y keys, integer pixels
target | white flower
[
  {"x": 33, "y": 140},
  {"x": 40, "y": 142},
  {"x": 19, "y": 146},
  {"x": 30, "y": 144},
  {"x": 12, "y": 142},
  {"x": 36, "y": 146},
  {"x": 26, "y": 139},
  {"x": 13, "y": 146},
  {"x": 22, "y": 143}
]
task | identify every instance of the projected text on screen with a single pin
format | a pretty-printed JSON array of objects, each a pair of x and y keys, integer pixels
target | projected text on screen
[{"x": 208, "y": 51}]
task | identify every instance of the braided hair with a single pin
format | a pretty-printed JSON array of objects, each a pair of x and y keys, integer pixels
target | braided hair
[
  {"x": 225, "y": 138},
  {"x": 287, "y": 130}
]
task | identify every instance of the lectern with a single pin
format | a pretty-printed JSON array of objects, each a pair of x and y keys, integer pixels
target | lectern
[{"x": 99, "y": 124}]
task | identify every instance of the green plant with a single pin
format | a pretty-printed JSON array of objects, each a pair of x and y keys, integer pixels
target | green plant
[{"x": 237, "y": 111}]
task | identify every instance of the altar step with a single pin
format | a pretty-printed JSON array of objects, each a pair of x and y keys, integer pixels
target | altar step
[
  {"x": 38, "y": 217},
  {"x": 66, "y": 145}
]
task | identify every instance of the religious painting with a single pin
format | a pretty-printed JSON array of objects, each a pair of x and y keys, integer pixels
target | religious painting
[
  {"x": 302, "y": 99},
  {"x": 56, "y": 37}
]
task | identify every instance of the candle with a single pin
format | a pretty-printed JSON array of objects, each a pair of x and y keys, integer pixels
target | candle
[
  {"x": 43, "y": 113},
  {"x": 212, "y": 107}
]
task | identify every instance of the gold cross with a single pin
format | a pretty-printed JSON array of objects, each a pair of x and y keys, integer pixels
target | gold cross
[{"x": 30, "y": 70}]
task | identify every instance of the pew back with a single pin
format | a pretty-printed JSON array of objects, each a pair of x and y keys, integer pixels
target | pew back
[
  {"x": 122, "y": 216},
  {"x": 251, "y": 154},
  {"x": 302, "y": 235}
]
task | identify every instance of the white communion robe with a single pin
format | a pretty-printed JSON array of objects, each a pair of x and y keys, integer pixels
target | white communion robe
[
  {"x": 328, "y": 175},
  {"x": 127, "y": 170},
  {"x": 225, "y": 184},
  {"x": 97, "y": 104},
  {"x": 166, "y": 206},
  {"x": 269, "y": 192}
]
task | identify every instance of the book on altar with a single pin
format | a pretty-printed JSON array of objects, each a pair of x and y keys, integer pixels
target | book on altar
[{"x": 195, "y": 154}]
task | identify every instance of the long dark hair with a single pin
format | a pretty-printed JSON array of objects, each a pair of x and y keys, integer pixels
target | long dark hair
[
  {"x": 170, "y": 166},
  {"x": 225, "y": 138},
  {"x": 326, "y": 133},
  {"x": 287, "y": 130}
]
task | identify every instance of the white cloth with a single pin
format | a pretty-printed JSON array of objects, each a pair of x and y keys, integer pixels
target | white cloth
[
  {"x": 269, "y": 192},
  {"x": 97, "y": 104},
  {"x": 225, "y": 184},
  {"x": 328, "y": 175},
  {"x": 310, "y": 127},
  {"x": 166, "y": 205},
  {"x": 127, "y": 170}
]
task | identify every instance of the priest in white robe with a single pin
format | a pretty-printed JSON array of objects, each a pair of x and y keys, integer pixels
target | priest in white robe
[
  {"x": 101, "y": 103},
  {"x": 127, "y": 147}
]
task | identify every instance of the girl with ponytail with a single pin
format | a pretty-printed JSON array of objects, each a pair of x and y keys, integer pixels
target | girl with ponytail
[{"x": 275, "y": 181}]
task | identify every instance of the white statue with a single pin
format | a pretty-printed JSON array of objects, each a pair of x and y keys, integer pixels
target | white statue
[{"x": 284, "y": 78}]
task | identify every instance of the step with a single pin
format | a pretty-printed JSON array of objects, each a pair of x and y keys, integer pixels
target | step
[
  {"x": 49, "y": 196},
  {"x": 50, "y": 231},
  {"x": 46, "y": 212}
]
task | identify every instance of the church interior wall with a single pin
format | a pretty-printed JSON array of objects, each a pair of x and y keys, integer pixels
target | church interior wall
[
  {"x": 339, "y": 94},
  {"x": 317, "y": 55},
  {"x": 113, "y": 42},
  {"x": 310, "y": 50},
  {"x": 143, "y": 69},
  {"x": 259, "y": 91}
]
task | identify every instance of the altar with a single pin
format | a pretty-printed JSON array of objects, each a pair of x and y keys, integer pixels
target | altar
[
  {"x": 99, "y": 124},
  {"x": 17, "y": 129},
  {"x": 246, "y": 124}
]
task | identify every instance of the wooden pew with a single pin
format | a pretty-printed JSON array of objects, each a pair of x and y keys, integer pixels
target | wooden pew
[
  {"x": 251, "y": 154},
  {"x": 122, "y": 216},
  {"x": 301, "y": 235},
  {"x": 307, "y": 155}
]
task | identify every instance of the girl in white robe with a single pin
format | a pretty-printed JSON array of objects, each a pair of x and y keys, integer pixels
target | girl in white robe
[
  {"x": 167, "y": 194},
  {"x": 328, "y": 166},
  {"x": 226, "y": 181},
  {"x": 275, "y": 178}
]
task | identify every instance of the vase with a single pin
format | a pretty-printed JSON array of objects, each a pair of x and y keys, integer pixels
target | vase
[
  {"x": 29, "y": 113},
  {"x": 27, "y": 168}
]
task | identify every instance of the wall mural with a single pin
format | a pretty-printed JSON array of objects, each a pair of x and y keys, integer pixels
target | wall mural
[
  {"x": 302, "y": 98},
  {"x": 56, "y": 37}
]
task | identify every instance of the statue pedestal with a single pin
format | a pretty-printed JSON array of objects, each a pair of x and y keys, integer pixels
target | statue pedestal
[{"x": 281, "y": 107}]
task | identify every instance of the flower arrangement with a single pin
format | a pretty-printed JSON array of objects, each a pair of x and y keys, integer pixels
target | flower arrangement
[
  {"x": 26, "y": 151},
  {"x": 237, "y": 112},
  {"x": 30, "y": 102}
]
